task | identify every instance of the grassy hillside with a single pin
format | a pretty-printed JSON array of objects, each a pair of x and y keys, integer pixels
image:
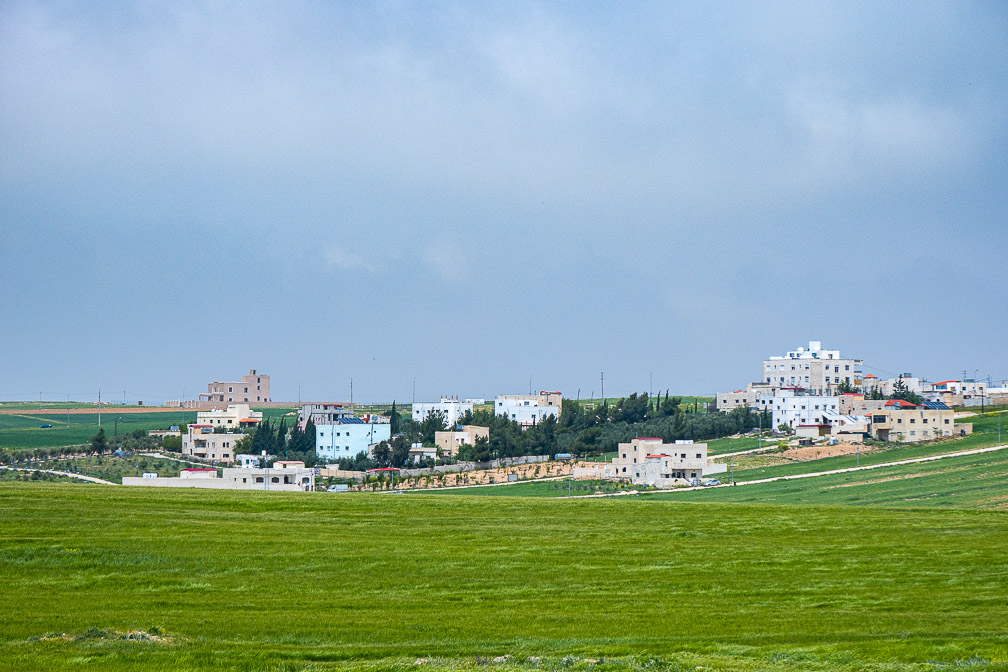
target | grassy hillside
[
  {"x": 104, "y": 578},
  {"x": 976, "y": 481}
]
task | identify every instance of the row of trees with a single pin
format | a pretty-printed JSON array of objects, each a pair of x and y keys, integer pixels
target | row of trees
[
  {"x": 580, "y": 431},
  {"x": 279, "y": 441}
]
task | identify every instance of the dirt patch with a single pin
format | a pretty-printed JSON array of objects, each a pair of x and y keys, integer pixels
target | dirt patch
[
  {"x": 806, "y": 453},
  {"x": 153, "y": 635}
]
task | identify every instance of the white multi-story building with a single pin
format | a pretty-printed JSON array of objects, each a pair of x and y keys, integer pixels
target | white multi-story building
[
  {"x": 348, "y": 436},
  {"x": 529, "y": 409},
  {"x": 794, "y": 407},
  {"x": 452, "y": 408},
  {"x": 235, "y": 416},
  {"x": 817, "y": 370},
  {"x": 967, "y": 388}
]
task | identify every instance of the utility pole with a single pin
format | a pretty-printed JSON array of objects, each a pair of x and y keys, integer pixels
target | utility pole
[
  {"x": 602, "y": 375},
  {"x": 351, "y": 394},
  {"x": 99, "y": 407},
  {"x": 68, "y": 409}
]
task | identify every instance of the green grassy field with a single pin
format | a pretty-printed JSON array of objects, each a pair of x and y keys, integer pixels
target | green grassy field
[
  {"x": 731, "y": 445},
  {"x": 24, "y": 430},
  {"x": 104, "y": 578}
]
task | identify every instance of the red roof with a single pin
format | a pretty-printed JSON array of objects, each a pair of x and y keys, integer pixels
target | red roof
[
  {"x": 660, "y": 455},
  {"x": 249, "y": 420},
  {"x": 900, "y": 403},
  {"x": 871, "y": 375}
]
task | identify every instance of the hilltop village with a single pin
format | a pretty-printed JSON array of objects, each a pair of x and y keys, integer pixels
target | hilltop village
[{"x": 809, "y": 399}]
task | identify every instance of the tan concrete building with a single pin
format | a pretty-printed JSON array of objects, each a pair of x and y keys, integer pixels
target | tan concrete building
[
  {"x": 255, "y": 387},
  {"x": 233, "y": 417},
  {"x": 750, "y": 397},
  {"x": 449, "y": 442},
  {"x": 650, "y": 461},
  {"x": 202, "y": 443},
  {"x": 902, "y": 421}
]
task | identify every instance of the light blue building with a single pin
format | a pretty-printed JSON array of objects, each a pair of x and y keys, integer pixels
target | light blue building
[{"x": 349, "y": 436}]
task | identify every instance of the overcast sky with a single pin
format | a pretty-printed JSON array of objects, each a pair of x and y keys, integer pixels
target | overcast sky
[{"x": 473, "y": 196}]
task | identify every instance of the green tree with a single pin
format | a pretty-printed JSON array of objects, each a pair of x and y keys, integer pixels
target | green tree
[
  {"x": 434, "y": 422},
  {"x": 846, "y": 388},
  {"x": 678, "y": 423},
  {"x": 382, "y": 455},
  {"x": 394, "y": 420},
  {"x": 399, "y": 453},
  {"x": 99, "y": 444}
]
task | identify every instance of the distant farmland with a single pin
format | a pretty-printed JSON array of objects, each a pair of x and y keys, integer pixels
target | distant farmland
[{"x": 24, "y": 429}]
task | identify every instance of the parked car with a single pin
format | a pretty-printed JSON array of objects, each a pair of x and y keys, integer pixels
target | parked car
[
  {"x": 711, "y": 482},
  {"x": 46, "y": 426}
]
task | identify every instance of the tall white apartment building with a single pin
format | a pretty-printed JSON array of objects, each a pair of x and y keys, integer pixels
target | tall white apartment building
[
  {"x": 814, "y": 369},
  {"x": 452, "y": 408},
  {"x": 794, "y": 407}
]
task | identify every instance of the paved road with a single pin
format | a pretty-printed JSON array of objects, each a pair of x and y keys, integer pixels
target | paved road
[{"x": 90, "y": 479}]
